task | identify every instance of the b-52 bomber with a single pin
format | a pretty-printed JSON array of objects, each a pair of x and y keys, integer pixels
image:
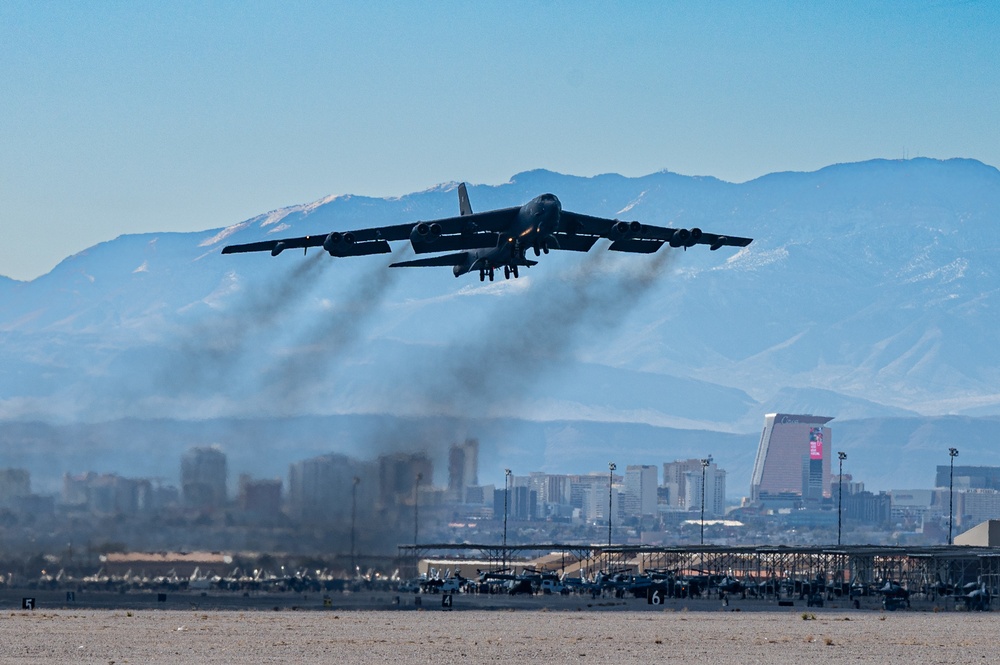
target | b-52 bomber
[{"x": 498, "y": 239}]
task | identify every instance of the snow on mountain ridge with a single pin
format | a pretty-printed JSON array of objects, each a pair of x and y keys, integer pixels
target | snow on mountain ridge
[{"x": 848, "y": 272}]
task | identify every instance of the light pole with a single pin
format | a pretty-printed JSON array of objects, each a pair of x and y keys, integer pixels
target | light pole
[
  {"x": 506, "y": 479},
  {"x": 416, "y": 501},
  {"x": 704, "y": 467},
  {"x": 611, "y": 481},
  {"x": 840, "y": 493},
  {"x": 952, "y": 453},
  {"x": 354, "y": 514}
]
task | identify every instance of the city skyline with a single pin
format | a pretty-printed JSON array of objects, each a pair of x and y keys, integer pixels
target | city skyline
[{"x": 332, "y": 498}]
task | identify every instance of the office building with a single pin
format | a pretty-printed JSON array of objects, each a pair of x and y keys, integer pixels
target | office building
[
  {"x": 14, "y": 484},
  {"x": 203, "y": 478},
  {"x": 969, "y": 477},
  {"x": 322, "y": 490},
  {"x": 399, "y": 475},
  {"x": 715, "y": 490},
  {"x": 640, "y": 490},
  {"x": 792, "y": 467},
  {"x": 260, "y": 498},
  {"x": 463, "y": 467}
]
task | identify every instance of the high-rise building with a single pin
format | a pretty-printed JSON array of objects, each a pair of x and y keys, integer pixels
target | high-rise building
[
  {"x": 14, "y": 483},
  {"x": 976, "y": 506},
  {"x": 600, "y": 500},
  {"x": 675, "y": 480},
  {"x": 793, "y": 460},
  {"x": 108, "y": 493},
  {"x": 552, "y": 489},
  {"x": 715, "y": 490},
  {"x": 321, "y": 489},
  {"x": 478, "y": 495},
  {"x": 969, "y": 477},
  {"x": 203, "y": 478},
  {"x": 261, "y": 497},
  {"x": 640, "y": 490},
  {"x": 398, "y": 477},
  {"x": 589, "y": 493},
  {"x": 463, "y": 467},
  {"x": 521, "y": 503}
]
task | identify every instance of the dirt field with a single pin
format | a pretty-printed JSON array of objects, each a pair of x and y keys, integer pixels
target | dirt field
[{"x": 607, "y": 634}]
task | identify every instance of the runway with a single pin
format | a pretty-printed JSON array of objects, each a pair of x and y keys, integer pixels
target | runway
[{"x": 619, "y": 635}]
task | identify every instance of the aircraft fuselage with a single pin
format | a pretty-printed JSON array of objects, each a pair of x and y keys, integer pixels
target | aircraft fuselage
[
  {"x": 537, "y": 220},
  {"x": 533, "y": 227}
]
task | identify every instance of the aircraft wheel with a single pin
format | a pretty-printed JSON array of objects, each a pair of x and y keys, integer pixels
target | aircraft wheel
[
  {"x": 545, "y": 248},
  {"x": 536, "y": 250},
  {"x": 513, "y": 270},
  {"x": 482, "y": 275},
  {"x": 506, "y": 272},
  {"x": 491, "y": 274}
]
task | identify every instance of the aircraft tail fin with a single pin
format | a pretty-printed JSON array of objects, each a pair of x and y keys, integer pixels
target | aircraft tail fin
[{"x": 464, "y": 207}]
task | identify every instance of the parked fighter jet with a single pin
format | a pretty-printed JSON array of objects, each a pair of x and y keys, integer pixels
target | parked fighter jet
[
  {"x": 499, "y": 238},
  {"x": 894, "y": 595},
  {"x": 977, "y": 596}
]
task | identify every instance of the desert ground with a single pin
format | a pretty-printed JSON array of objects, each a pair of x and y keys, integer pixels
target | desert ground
[{"x": 571, "y": 631}]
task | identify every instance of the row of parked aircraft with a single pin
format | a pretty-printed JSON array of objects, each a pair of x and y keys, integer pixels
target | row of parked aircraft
[
  {"x": 663, "y": 584},
  {"x": 238, "y": 579},
  {"x": 618, "y": 583}
]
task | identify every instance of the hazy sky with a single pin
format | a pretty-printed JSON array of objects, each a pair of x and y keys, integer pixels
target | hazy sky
[{"x": 125, "y": 117}]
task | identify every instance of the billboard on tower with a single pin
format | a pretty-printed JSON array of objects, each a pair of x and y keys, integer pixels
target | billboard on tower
[{"x": 816, "y": 443}]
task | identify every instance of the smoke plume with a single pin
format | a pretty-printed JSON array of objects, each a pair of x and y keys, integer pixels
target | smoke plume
[
  {"x": 306, "y": 367},
  {"x": 211, "y": 356}
]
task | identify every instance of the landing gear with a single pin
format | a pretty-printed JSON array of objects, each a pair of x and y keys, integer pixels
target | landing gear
[
  {"x": 482, "y": 275},
  {"x": 510, "y": 271},
  {"x": 491, "y": 274}
]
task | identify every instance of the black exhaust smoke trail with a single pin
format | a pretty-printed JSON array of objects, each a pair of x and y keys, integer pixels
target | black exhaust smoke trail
[
  {"x": 527, "y": 336},
  {"x": 335, "y": 333},
  {"x": 544, "y": 328},
  {"x": 213, "y": 352}
]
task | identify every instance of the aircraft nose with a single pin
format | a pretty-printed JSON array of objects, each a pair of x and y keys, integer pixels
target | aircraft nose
[{"x": 547, "y": 205}]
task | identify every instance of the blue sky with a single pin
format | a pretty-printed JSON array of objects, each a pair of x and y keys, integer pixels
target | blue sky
[{"x": 127, "y": 117}]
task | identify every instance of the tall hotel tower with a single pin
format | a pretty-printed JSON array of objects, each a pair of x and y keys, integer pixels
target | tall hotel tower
[{"x": 793, "y": 461}]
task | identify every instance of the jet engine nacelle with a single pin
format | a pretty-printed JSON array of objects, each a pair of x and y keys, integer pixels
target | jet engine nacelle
[
  {"x": 425, "y": 233},
  {"x": 685, "y": 238},
  {"x": 336, "y": 240},
  {"x": 621, "y": 230},
  {"x": 463, "y": 264}
]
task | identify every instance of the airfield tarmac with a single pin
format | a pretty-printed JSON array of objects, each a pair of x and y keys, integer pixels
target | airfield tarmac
[{"x": 570, "y": 629}]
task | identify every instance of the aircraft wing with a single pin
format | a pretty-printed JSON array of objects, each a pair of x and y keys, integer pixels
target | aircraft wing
[
  {"x": 351, "y": 248},
  {"x": 576, "y": 230},
  {"x": 472, "y": 231},
  {"x": 433, "y": 261}
]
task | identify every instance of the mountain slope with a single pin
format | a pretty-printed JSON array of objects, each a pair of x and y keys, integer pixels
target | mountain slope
[{"x": 870, "y": 291}]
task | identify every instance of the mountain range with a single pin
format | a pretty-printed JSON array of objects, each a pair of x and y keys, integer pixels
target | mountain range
[{"x": 870, "y": 294}]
